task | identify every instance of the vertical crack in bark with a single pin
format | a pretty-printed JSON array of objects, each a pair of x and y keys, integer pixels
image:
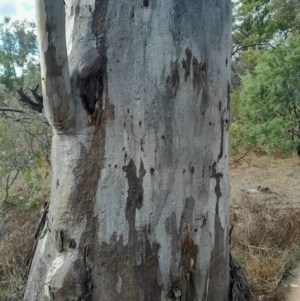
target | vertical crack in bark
[
  {"x": 228, "y": 96},
  {"x": 174, "y": 78},
  {"x": 222, "y": 139},
  {"x": 186, "y": 64}
]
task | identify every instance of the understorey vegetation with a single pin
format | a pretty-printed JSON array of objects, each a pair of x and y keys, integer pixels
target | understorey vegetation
[{"x": 265, "y": 89}]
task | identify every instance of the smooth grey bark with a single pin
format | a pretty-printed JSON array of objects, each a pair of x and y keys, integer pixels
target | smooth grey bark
[{"x": 137, "y": 93}]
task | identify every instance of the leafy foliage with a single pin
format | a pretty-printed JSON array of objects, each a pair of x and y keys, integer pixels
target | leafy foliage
[{"x": 266, "y": 96}]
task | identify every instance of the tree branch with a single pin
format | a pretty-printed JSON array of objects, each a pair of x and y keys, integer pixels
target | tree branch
[
  {"x": 4, "y": 109},
  {"x": 54, "y": 64},
  {"x": 37, "y": 97},
  {"x": 35, "y": 106}
]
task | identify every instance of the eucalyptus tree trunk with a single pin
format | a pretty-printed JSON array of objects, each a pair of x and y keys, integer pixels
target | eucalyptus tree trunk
[{"x": 137, "y": 93}]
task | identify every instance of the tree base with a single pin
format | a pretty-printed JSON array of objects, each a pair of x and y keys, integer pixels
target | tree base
[{"x": 240, "y": 289}]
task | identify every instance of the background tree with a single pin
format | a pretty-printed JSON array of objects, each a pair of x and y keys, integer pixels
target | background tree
[
  {"x": 265, "y": 105},
  {"x": 24, "y": 134},
  {"x": 137, "y": 93},
  {"x": 18, "y": 51}
]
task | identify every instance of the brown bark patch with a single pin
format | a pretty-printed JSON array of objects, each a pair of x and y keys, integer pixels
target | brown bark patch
[
  {"x": 135, "y": 192},
  {"x": 120, "y": 277},
  {"x": 183, "y": 287},
  {"x": 218, "y": 271}
]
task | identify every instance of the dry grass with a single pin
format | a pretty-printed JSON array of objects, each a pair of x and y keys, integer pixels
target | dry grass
[
  {"x": 266, "y": 237},
  {"x": 265, "y": 240},
  {"x": 16, "y": 242}
]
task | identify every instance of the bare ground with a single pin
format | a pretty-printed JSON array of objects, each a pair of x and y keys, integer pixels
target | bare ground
[
  {"x": 282, "y": 176},
  {"x": 265, "y": 211}
]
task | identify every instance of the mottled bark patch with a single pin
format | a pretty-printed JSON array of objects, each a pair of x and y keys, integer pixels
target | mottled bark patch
[
  {"x": 73, "y": 284},
  {"x": 53, "y": 68},
  {"x": 119, "y": 277},
  {"x": 128, "y": 272},
  {"x": 87, "y": 172},
  {"x": 186, "y": 64},
  {"x": 174, "y": 78}
]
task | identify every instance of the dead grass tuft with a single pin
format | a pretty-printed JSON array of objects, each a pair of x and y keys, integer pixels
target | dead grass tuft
[
  {"x": 266, "y": 243},
  {"x": 16, "y": 242}
]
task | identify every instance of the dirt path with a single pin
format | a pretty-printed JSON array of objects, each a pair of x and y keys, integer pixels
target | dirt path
[{"x": 282, "y": 176}]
